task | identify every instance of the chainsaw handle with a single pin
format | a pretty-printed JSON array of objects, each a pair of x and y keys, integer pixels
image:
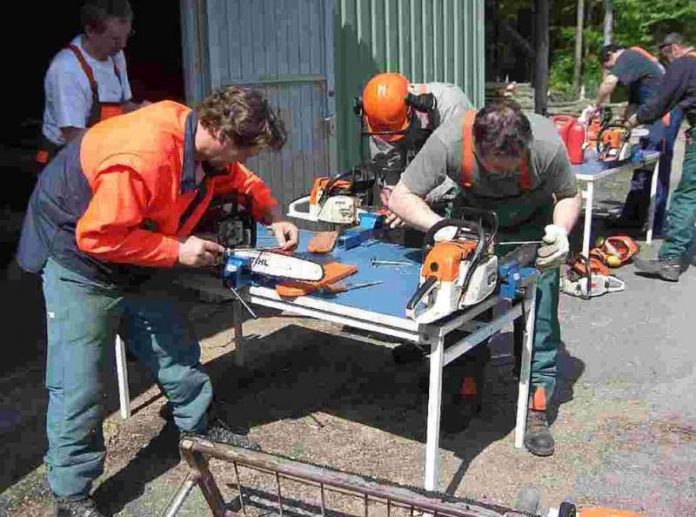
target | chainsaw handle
[
  {"x": 293, "y": 212},
  {"x": 422, "y": 291}
]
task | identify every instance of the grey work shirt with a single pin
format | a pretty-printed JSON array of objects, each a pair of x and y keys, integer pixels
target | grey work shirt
[{"x": 441, "y": 157}]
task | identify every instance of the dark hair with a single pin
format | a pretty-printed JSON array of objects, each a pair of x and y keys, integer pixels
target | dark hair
[
  {"x": 242, "y": 116},
  {"x": 95, "y": 13},
  {"x": 609, "y": 49},
  {"x": 673, "y": 38},
  {"x": 502, "y": 129}
]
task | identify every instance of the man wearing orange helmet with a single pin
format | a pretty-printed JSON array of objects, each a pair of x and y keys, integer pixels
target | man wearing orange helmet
[{"x": 399, "y": 116}]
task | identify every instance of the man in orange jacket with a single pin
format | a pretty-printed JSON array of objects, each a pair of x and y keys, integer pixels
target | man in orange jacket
[{"x": 115, "y": 204}]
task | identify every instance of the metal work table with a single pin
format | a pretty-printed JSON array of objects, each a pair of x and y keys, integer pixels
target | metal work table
[
  {"x": 593, "y": 170},
  {"x": 381, "y": 309}
]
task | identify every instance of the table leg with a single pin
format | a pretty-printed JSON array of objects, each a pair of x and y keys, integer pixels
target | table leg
[
  {"x": 653, "y": 198},
  {"x": 525, "y": 370},
  {"x": 589, "y": 200},
  {"x": 238, "y": 318},
  {"x": 432, "y": 447},
  {"x": 122, "y": 374}
]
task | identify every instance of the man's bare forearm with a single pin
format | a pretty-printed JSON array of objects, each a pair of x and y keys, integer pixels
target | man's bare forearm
[
  {"x": 567, "y": 211},
  {"x": 605, "y": 90},
  {"x": 411, "y": 208}
]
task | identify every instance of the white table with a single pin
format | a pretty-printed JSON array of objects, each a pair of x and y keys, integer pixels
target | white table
[
  {"x": 593, "y": 170},
  {"x": 381, "y": 309}
]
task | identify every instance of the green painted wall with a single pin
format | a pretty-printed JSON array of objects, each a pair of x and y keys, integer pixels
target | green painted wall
[{"x": 426, "y": 40}]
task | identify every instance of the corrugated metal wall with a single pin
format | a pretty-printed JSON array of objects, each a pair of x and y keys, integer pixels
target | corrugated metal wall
[
  {"x": 285, "y": 49},
  {"x": 426, "y": 40}
]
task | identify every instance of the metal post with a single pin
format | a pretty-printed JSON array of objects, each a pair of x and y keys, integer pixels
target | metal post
[
  {"x": 205, "y": 480},
  {"x": 653, "y": 199},
  {"x": 526, "y": 366},
  {"x": 432, "y": 446},
  {"x": 238, "y": 317},
  {"x": 122, "y": 374},
  {"x": 189, "y": 483},
  {"x": 589, "y": 200}
]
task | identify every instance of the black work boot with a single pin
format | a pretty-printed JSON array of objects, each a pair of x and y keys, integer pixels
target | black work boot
[
  {"x": 68, "y": 507},
  {"x": 218, "y": 432},
  {"x": 537, "y": 438},
  {"x": 667, "y": 268}
]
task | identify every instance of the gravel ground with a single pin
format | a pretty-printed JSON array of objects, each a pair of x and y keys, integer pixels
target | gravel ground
[{"x": 625, "y": 422}]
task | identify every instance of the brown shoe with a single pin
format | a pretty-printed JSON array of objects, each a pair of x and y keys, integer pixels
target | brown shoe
[{"x": 537, "y": 438}]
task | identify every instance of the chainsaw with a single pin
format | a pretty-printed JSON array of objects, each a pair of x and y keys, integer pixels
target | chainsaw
[
  {"x": 456, "y": 273},
  {"x": 614, "y": 144},
  {"x": 241, "y": 264},
  {"x": 338, "y": 200},
  {"x": 589, "y": 277}
]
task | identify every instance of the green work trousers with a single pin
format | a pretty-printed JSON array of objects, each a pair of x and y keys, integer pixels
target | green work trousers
[
  {"x": 547, "y": 329},
  {"x": 682, "y": 208}
]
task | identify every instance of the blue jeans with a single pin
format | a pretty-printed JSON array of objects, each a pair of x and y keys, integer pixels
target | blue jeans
[
  {"x": 637, "y": 204},
  {"x": 83, "y": 318}
]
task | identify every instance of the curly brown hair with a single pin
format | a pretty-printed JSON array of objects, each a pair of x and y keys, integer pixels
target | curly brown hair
[
  {"x": 502, "y": 129},
  {"x": 242, "y": 116}
]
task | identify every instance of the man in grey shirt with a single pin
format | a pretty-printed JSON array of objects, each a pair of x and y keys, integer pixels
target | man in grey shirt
[{"x": 515, "y": 165}]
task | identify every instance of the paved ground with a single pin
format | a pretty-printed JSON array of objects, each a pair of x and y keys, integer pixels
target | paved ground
[{"x": 625, "y": 424}]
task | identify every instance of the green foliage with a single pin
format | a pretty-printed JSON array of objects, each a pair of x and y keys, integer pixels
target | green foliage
[{"x": 636, "y": 22}]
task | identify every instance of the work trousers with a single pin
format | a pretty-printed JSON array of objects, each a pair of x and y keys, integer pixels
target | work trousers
[
  {"x": 637, "y": 204},
  {"x": 682, "y": 209},
  {"x": 83, "y": 317}
]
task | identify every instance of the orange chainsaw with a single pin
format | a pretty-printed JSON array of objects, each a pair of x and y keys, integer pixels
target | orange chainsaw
[
  {"x": 458, "y": 272},
  {"x": 614, "y": 144},
  {"x": 337, "y": 199}
]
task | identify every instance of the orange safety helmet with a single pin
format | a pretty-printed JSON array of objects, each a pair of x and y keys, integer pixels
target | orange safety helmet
[{"x": 384, "y": 106}]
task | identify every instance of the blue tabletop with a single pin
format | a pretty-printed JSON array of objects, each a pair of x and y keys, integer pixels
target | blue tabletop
[
  {"x": 390, "y": 297},
  {"x": 593, "y": 166}
]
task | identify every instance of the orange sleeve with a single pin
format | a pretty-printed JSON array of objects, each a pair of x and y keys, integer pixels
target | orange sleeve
[
  {"x": 242, "y": 180},
  {"x": 110, "y": 229}
]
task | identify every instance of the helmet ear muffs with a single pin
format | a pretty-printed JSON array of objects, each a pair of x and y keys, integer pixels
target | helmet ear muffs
[
  {"x": 358, "y": 106},
  {"x": 423, "y": 102}
]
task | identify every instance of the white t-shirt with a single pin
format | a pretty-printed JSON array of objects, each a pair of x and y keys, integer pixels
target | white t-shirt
[{"x": 68, "y": 92}]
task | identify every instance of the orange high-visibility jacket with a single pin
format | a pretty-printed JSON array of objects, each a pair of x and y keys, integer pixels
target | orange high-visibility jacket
[{"x": 126, "y": 193}]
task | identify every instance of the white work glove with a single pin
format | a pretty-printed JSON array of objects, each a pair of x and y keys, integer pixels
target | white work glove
[
  {"x": 587, "y": 114},
  {"x": 555, "y": 248},
  {"x": 448, "y": 233}
]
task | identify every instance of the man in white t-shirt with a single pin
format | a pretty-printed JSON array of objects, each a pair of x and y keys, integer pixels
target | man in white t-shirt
[{"x": 88, "y": 81}]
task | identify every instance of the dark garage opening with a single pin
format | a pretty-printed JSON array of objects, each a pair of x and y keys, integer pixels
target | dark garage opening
[{"x": 154, "y": 69}]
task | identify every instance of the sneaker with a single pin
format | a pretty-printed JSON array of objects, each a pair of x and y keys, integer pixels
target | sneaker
[
  {"x": 667, "y": 269},
  {"x": 68, "y": 507},
  {"x": 537, "y": 438},
  {"x": 220, "y": 433}
]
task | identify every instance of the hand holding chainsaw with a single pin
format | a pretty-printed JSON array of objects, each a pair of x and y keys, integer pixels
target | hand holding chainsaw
[
  {"x": 197, "y": 252},
  {"x": 286, "y": 234},
  {"x": 555, "y": 248}
]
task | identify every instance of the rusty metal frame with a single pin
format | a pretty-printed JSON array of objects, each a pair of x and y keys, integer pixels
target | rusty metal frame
[{"x": 197, "y": 452}]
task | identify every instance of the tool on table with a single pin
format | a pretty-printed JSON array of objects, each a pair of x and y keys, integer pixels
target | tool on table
[
  {"x": 614, "y": 143},
  {"x": 516, "y": 271},
  {"x": 374, "y": 262},
  {"x": 342, "y": 202},
  {"x": 337, "y": 200},
  {"x": 341, "y": 287},
  {"x": 333, "y": 272},
  {"x": 456, "y": 273}
]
